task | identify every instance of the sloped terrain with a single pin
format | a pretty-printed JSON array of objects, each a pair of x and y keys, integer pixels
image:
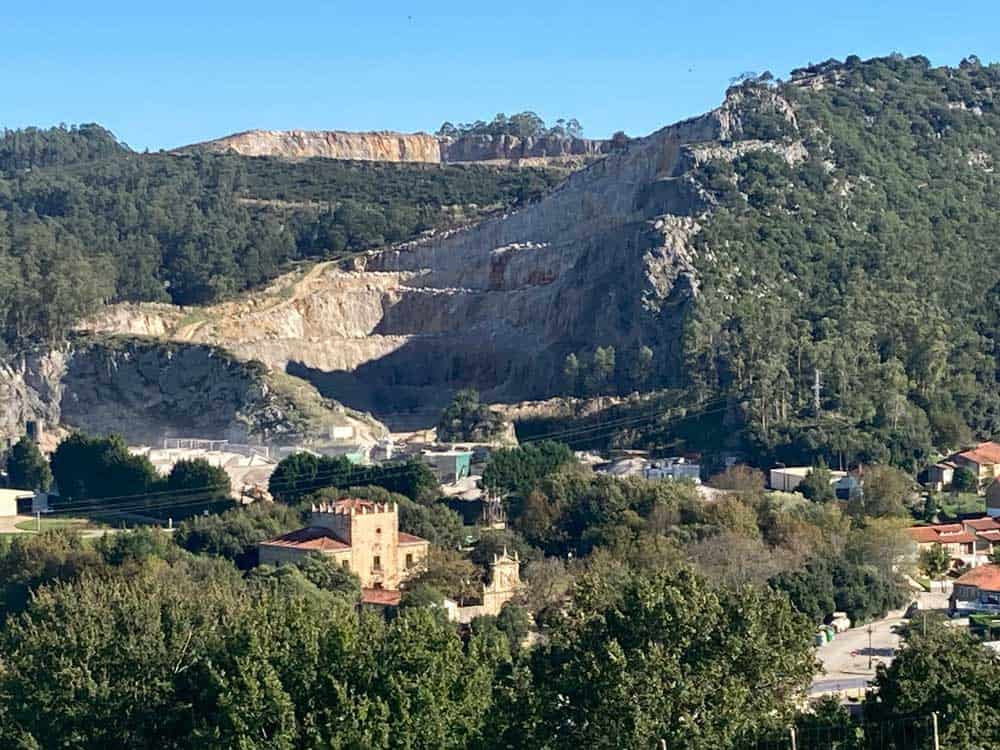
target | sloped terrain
[
  {"x": 605, "y": 257},
  {"x": 146, "y": 390},
  {"x": 841, "y": 225}
]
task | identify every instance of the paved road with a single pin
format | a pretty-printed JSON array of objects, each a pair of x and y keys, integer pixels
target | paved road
[
  {"x": 820, "y": 687},
  {"x": 8, "y": 525},
  {"x": 846, "y": 658}
]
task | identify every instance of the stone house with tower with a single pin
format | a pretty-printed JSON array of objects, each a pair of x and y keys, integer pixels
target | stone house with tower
[{"x": 362, "y": 536}]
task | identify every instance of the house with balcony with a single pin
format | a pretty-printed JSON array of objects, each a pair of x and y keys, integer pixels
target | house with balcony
[
  {"x": 977, "y": 590},
  {"x": 361, "y": 535},
  {"x": 968, "y": 541}
]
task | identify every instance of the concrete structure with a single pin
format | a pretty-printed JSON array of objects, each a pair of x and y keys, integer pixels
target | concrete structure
[
  {"x": 673, "y": 468},
  {"x": 660, "y": 468},
  {"x": 249, "y": 468},
  {"x": 847, "y": 487},
  {"x": 788, "y": 478},
  {"x": 449, "y": 466},
  {"x": 939, "y": 475},
  {"x": 504, "y": 583},
  {"x": 978, "y": 590},
  {"x": 361, "y": 535},
  {"x": 383, "y": 450},
  {"x": 16, "y": 502}
]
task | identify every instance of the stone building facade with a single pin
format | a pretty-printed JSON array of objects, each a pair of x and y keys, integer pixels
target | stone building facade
[
  {"x": 361, "y": 535},
  {"x": 504, "y": 583}
]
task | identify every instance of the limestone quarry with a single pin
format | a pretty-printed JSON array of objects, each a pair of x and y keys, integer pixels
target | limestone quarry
[
  {"x": 146, "y": 390},
  {"x": 407, "y": 147},
  {"x": 606, "y": 258}
]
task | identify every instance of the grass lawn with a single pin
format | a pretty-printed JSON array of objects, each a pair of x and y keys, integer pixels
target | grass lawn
[
  {"x": 50, "y": 524},
  {"x": 963, "y": 502}
]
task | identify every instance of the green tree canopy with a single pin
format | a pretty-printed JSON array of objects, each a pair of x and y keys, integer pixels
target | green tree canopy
[
  {"x": 27, "y": 468},
  {"x": 97, "y": 468},
  {"x": 817, "y": 484},
  {"x": 924, "y": 678},
  {"x": 659, "y": 658}
]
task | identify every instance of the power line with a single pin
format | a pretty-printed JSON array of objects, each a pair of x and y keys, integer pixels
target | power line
[{"x": 193, "y": 495}]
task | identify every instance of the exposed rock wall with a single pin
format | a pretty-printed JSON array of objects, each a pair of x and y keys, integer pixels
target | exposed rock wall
[
  {"x": 147, "y": 390},
  {"x": 604, "y": 259},
  {"x": 331, "y": 144},
  {"x": 403, "y": 147},
  {"x": 514, "y": 149}
]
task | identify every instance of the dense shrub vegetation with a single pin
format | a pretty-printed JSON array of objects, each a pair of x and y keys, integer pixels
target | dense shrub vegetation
[
  {"x": 872, "y": 261},
  {"x": 855, "y": 237}
]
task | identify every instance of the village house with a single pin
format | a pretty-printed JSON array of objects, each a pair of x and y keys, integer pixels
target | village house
[
  {"x": 983, "y": 460},
  {"x": 967, "y": 542},
  {"x": 953, "y": 537},
  {"x": 977, "y": 590},
  {"x": 362, "y": 536}
]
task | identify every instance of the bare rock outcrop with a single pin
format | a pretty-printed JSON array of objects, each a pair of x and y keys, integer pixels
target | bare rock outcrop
[
  {"x": 605, "y": 259},
  {"x": 146, "y": 390},
  {"x": 405, "y": 147},
  {"x": 331, "y": 144}
]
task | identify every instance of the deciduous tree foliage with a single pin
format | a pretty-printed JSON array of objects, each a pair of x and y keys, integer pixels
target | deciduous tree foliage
[
  {"x": 301, "y": 474},
  {"x": 666, "y": 658},
  {"x": 942, "y": 670},
  {"x": 167, "y": 658},
  {"x": 97, "y": 468}
]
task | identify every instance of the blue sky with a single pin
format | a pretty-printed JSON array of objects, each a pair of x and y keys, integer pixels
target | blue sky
[{"x": 189, "y": 71}]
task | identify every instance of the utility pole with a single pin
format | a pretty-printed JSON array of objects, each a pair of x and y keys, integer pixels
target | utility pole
[
  {"x": 934, "y": 722},
  {"x": 816, "y": 389},
  {"x": 791, "y": 731},
  {"x": 871, "y": 629}
]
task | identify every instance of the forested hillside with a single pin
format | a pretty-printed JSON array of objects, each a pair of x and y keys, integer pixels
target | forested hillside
[
  {"x": 84, "y": 220},
  {"x": 839, "y": 227},
  {"x": 874, "y": 261},
  {"x": 852, "y": 236}
]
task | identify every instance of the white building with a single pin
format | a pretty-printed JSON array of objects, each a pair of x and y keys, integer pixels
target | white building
[
  {"x": 788, "y": 478},
  {"x": 16, "y": 502}
]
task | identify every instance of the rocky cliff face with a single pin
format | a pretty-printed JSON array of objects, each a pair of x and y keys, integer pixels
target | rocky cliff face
[
  {"x": 147, "y": 390},
  {"x": 509, "y": 148},
  {"x": 404, "y": 147},
  {"x": 331, "y": 144},
  {"x": 604, "y": 259}
]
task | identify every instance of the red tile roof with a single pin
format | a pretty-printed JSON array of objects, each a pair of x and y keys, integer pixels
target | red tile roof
[
  {"x": 929, "y": 534},
  {"x": 984, "y": 454},
  {"x": 314, "y": 538},
  {"x": 984, "y": 577},
  {"x": 405, "y": 538},
  {"x": 990, "y": 536},
  {"x": 983, "y": 524},
  {"x": 381, "y": 597}
]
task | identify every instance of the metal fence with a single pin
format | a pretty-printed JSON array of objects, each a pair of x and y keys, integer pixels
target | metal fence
[{"x": 907, "y": 733}]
